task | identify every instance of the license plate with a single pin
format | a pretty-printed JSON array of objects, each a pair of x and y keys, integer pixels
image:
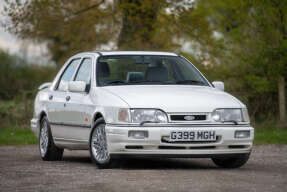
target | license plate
[{"x": 192, "y": 136}]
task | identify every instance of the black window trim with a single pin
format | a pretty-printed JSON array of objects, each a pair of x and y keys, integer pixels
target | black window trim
[{"x": 78, "y": 68}]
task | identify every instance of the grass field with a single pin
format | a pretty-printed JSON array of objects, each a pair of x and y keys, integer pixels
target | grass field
[
  {"x": 17, "y": 137},
  {"x": 25, "y": 136},
  {"x": 270, "y": 136}
]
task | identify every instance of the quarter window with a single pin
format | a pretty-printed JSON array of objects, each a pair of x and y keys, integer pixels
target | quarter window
[
  {"x": 68, "y": 74},
  {"x": 84, "y": 72}
]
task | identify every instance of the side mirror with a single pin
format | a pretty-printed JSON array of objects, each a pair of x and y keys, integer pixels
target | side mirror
[
  {"x": 44, "y": 85},
  {"x": 218, "y": 85},
  {"x": 77, "y": 86}
]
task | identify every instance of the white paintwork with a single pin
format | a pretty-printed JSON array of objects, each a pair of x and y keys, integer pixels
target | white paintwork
[
  {"x": 76, "y": 86},
  {"x": 175, "y": 98},
  {"x": 81, "y": 109},
  {"x": 218, "y": 85}
]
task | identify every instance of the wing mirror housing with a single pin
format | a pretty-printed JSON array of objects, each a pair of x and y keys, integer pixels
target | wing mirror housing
[
  {"x": 218, "y": 85},
  {"x": 44, "y": 85},
  {"x": 77, "y": 86}
]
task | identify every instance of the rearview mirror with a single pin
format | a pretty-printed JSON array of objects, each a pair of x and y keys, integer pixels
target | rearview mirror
[
  {"x": 218, "y": 85},
  {"x": 77, "y": 86}
]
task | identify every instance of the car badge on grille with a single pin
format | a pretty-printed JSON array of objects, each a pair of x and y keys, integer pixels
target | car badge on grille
[{"x": 189, "y": 117}]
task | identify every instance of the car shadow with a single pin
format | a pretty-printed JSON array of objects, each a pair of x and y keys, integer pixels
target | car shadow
[
  {"x": 148, "y": 163},
  {"x": 163, "y": 163}
]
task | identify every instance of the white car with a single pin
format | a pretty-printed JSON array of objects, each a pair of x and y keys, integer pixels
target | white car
[{"x": 136, "y": 103}]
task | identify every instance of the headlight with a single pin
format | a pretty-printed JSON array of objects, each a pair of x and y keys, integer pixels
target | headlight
[
  {"x": 236, "y": 115},
  {"x": 148, "y": 115},
  {"x": 245, "y": 115}
]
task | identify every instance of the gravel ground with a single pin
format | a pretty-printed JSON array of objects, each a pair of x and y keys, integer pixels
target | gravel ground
[{"x": 21, "y": 169}]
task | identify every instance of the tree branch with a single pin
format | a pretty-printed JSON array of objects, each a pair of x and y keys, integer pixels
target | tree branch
[{"x": 88, "y": 8}]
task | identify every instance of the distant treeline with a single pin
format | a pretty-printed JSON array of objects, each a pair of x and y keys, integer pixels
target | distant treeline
[{"x": 18, "y": 77}]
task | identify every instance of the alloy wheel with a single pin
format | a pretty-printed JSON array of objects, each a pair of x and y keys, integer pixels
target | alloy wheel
[
  {"x": 44, "y": 139},
  {"x": 99, "y": 144}
]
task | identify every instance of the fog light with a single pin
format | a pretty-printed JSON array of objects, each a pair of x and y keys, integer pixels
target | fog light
[
  {"x": 242, "y": 134},
  {"x": 138, "y": 134}
]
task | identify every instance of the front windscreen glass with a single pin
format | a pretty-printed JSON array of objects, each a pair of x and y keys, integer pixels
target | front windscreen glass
[{"x": 147, "y": 70}]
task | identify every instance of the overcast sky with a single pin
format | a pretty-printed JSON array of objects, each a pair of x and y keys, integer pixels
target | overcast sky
[{"x": 34, "y": 52}]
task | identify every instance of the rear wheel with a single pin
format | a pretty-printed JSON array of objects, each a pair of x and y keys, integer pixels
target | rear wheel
[
  {"x": 231, "y": 162},
  {"x": 48, "y": 150},
  {"x": 98, "y": 145}
]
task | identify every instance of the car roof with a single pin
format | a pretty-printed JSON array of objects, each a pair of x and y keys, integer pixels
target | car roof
[
  {"x": 135, "y": 53},
  {"x": 107, "y": 53}
]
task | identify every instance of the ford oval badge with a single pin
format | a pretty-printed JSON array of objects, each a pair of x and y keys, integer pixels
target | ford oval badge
[{"x": 189, "y": 117}]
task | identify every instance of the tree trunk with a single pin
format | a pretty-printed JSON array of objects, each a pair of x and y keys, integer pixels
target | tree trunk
[
  {"x": 138, "y": 24},
  {"x": 282, "y": 99}
]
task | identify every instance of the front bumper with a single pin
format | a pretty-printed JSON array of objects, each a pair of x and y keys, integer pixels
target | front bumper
[
  {"x": 119, "y": 143},
  {"x": 35, "y": 124}
]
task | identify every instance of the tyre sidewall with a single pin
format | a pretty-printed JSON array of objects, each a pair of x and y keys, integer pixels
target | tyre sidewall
[
  {"x": 45, "y": 156},
  {"x": 99, "y": 164}
]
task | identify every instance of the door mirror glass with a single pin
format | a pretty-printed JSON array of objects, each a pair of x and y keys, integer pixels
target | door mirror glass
[
  {"x": 218, "y": 85},
  {"x": 77, "y": 86}
]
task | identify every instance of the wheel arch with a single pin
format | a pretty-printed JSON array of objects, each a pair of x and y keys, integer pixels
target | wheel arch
[
  {"x": 97, "y": 115},
  {"x": 42, "y": 115}
]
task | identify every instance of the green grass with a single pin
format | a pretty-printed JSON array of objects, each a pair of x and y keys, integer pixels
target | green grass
[
  {"x": 20, "y": 136},
  {"x": 270, "y": 136},
  {"x": 17, "y": 137}
]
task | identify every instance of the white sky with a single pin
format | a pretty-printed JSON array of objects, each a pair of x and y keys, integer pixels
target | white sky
[{"x": 33, "y": 52}]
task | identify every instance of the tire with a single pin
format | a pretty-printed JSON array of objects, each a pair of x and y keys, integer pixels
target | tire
[
  {"x": 48, "y": 150},
  {"x": 98, "y": 145},
  {"x": 231, "y": 162}
]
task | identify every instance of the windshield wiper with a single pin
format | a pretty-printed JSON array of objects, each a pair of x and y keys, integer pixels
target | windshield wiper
[
  {"x": 116, "y": 82},
  {"x": 190, "y": 82},
  {"x": 231, "y": 121},
  {"x": 149, "y": 82}
]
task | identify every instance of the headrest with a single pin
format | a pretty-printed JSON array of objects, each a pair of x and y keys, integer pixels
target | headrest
[
  {"x": 158, "y": 73},
  {"x": 135, "y": 76},
  {"x": 103, "y": 69}
]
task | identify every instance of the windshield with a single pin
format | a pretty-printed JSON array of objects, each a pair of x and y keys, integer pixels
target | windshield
[{"x": 145, "y": 69}]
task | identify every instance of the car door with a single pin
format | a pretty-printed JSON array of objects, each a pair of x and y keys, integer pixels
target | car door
[
  {"x": 79, "y": 106},
  {"x": 57, "y": 99}
]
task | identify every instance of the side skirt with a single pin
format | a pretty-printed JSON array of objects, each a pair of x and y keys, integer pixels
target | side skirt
[{"x": 71, "y": 144}]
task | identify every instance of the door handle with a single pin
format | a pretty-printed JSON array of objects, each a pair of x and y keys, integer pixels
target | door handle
[
  {"x": 50, "y": 97},
  {"x": 68, "y": 98}
]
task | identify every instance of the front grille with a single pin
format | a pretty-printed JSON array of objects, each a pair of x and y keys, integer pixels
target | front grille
[
  {"x": 237, "y": 146},
  {"x": 171, "y": 147},
  {"x": 179, "y": 147},
  {"x": 187, "y": 117}
]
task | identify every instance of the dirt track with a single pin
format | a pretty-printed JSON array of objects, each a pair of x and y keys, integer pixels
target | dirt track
[{"x": 21, "y": 169}]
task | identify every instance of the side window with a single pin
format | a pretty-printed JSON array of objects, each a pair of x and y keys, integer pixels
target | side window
[
  {"x": 67, "y": 75},
  {"x": 84, "y": 72}
]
